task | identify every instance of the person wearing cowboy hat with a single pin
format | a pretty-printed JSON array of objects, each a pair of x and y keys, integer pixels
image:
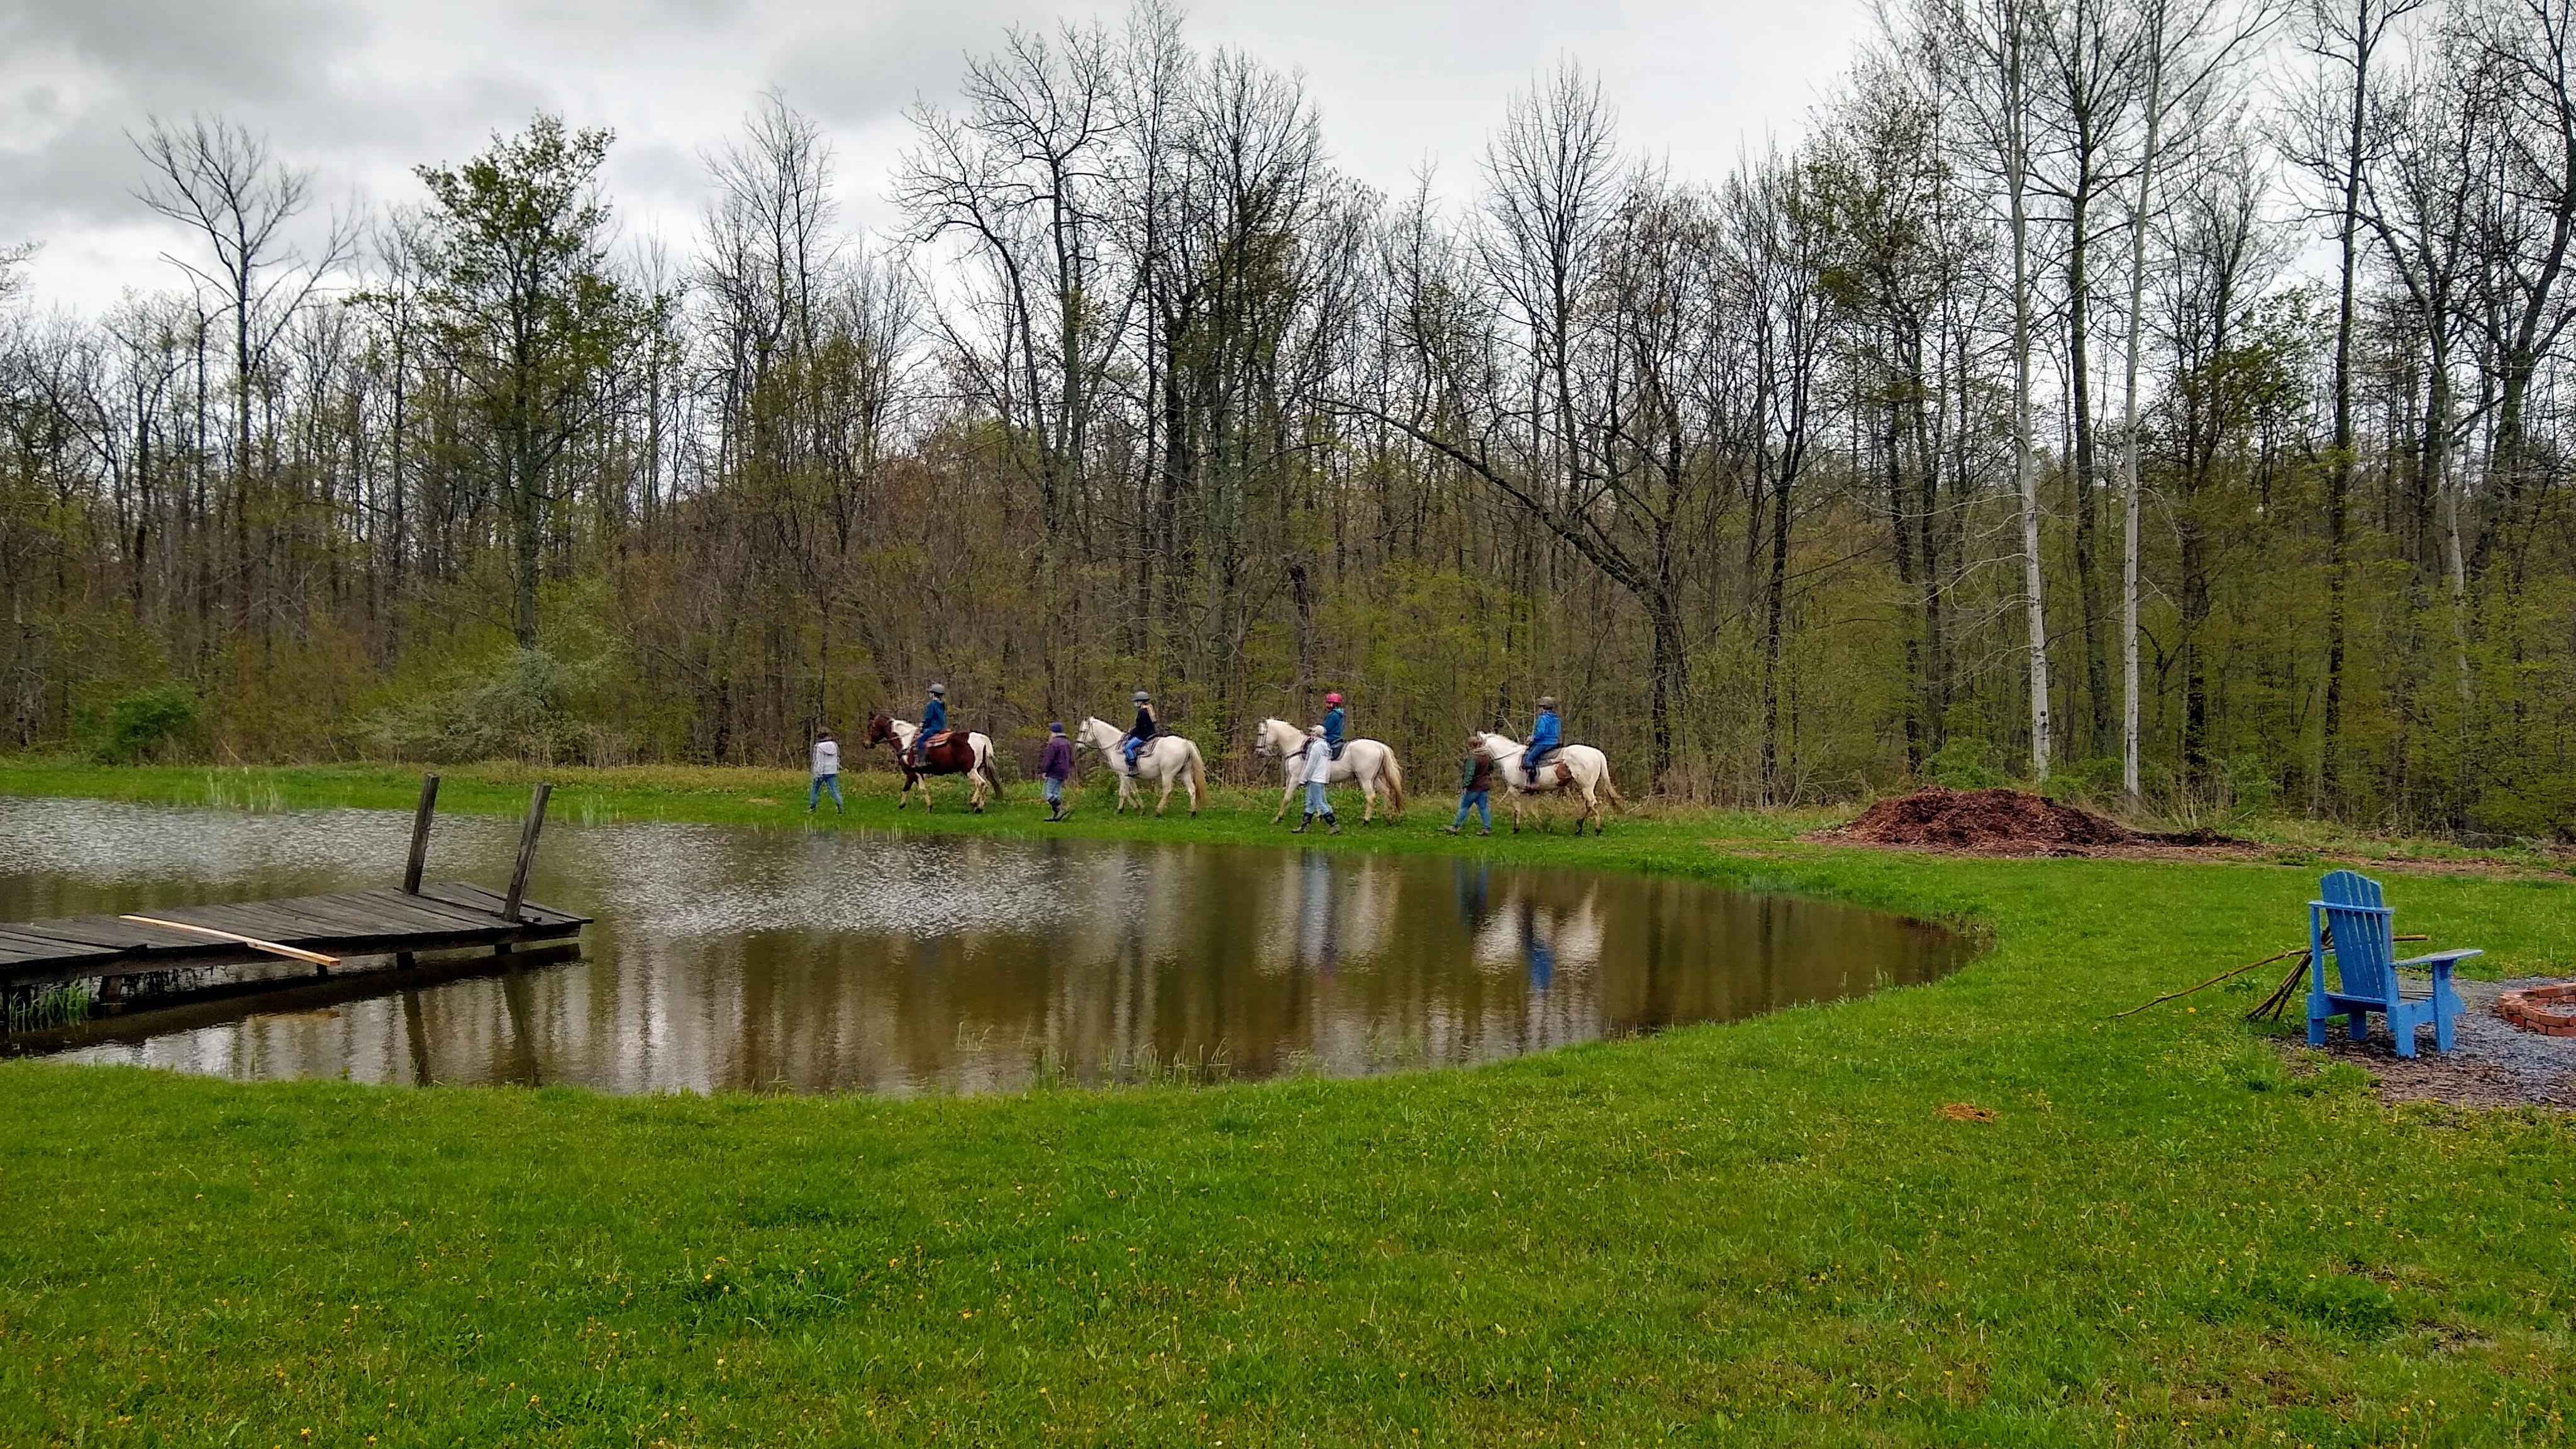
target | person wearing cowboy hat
[
  {"x": 1545, "y": 735},
  {"x": 1335, "y": 721},
  {"x": 934, "y": 721}
]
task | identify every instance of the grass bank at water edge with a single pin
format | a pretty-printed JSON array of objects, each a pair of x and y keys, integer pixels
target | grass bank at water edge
[{"x": 1766, "y": 1232}]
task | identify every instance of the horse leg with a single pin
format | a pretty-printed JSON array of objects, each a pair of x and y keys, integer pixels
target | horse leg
[
  {"x": 1165, "y": 802},
  {"x": 1284, "y": 796}
]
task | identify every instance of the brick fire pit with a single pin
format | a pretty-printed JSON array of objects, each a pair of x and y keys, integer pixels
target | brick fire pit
[{"x": 2549, "y": 1010}]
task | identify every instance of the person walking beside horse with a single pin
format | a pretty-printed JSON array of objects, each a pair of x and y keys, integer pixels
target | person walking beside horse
[
  {"x": 1055, "y": 767},
  {"x": 1475, "y": 792},
  {"x": 827, "y": 774},
  {"x": 1319, "y": 773}
]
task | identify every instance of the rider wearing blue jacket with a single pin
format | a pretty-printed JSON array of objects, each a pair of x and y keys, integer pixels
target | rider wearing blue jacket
[
  {"x": 934, "y": 718},
  {"x": 1545, "y": 735},
  {"x": 1335, "y": 721}
]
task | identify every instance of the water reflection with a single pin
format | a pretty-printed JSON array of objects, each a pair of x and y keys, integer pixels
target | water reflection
[{"x": 833, "y": 961}]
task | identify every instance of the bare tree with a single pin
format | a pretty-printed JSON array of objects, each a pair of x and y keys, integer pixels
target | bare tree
[{"x": 216, "y": 178}]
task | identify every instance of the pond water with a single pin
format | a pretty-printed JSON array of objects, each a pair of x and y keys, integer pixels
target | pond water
[{"x": 822, "y": 961}]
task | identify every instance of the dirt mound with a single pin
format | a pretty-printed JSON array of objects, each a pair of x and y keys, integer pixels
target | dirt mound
[{"x": 2000, "y": 821}]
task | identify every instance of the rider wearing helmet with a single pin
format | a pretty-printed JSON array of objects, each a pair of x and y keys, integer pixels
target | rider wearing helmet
[
  {"x": 1144, "y": 730},
  {"x": 1335, "y": 721},
  {"x": 934, "y": 720},
  {"x": 1545, "y": 735}
]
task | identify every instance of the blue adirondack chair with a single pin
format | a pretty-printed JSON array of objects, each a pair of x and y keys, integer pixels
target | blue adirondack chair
[{"x": 2353, "y": 925}]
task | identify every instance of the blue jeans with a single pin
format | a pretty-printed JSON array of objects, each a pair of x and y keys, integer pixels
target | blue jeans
[
  {"x": 1054, "y": 790},
  {"x": 1316, "y": 803},
  {"x": 814, "y": 796},
  {"x": 1478, "y": 801}
]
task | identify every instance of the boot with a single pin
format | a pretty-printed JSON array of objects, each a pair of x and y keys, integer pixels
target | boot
[
  {"x": 1451, "y": 829},
  {"x": 1332, "y": 824},
  {"x": 1300, "y": 827}
]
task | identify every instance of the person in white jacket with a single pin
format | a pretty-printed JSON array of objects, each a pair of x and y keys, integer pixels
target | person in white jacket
[
  {"x": 1318, "y": 762},
  {"x": 827, "y": 774}
]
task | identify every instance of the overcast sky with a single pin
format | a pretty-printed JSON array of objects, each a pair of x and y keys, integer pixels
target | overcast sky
[{"x": 361, "y": 90}]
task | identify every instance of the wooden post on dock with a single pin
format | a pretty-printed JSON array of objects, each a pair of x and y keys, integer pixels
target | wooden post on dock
[
  {"x": 527, "y": 850},
  {"x": 420, "y": 834}
]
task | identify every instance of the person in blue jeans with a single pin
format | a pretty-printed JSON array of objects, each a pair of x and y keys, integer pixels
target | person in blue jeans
[
  {"x": 1545, "y": 735},
  {"x": 1146, "y": 727},
  {"x": 1056, "y": 767},
  {"x": 827, "y": 773},
  {"x": 1475, "y": 792},
  {"x": 1319, "y": 771}
]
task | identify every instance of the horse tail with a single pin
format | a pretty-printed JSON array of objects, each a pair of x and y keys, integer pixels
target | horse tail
[
  {"x": 1198, "y": 779},
  {"x": 992, "y": 777},
  {"x": 1609, "y": 789},
  {"x": 1394, "y": 783}
]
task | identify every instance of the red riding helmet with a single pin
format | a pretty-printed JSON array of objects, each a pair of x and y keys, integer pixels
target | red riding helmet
[{"x": 1333, "y": 698}]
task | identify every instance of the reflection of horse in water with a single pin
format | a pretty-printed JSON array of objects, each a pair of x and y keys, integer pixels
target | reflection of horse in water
[
  {"x": 1367, "y": 762},
  {"x": 1543, "y": 936},
  {"x": 1166, "y": 760}
]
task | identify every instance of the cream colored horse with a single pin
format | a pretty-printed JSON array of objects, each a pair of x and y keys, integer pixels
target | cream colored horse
[
  {"x": 1166, "y": 760},
  {"x": 1369, "y": 762},
  {"x": 1586, "y": 773}
]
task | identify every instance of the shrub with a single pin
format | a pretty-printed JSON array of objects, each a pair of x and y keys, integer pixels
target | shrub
[
  {"x": 518, "y": 709},
  {"x": 1965, "y": 763},
  {"x": 148, "y": 724}
]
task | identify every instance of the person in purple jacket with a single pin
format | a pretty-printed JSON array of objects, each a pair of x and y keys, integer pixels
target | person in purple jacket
[{"x": 1056, "y": 767}]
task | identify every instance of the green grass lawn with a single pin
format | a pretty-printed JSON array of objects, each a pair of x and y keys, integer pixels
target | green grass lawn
[{"x": 1755, "y": 1233}]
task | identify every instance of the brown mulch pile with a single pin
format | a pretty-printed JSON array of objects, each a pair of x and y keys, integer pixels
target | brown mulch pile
[{"x": 2003, "y": 822}]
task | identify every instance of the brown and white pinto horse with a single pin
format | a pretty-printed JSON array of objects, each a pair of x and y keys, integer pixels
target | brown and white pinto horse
[{"x": 953, "y": 752}]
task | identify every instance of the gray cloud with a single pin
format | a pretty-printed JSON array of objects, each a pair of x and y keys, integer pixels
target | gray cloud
[{"x": 363, "y": 90}]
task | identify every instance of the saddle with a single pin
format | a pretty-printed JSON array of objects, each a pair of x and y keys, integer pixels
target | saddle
[{"x": 944, "y": 753}]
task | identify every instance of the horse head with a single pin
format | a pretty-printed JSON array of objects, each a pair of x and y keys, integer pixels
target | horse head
[
  {"x": 880, "y": 731},
  {"x": 1267, "y": 738}
]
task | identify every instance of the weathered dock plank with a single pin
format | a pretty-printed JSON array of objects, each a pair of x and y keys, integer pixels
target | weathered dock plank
[{"x": 448, "y": 915}]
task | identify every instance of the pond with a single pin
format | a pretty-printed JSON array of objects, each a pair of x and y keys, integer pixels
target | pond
[{"x": 730, "y": 959}]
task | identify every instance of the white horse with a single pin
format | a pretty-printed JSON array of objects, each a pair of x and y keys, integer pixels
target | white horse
[
  {"x": 902, "y": 732},
  {"x": 1586, "y": 772},
  {"x": 1166, "y": 760},
  {"x": 1366, "y": 761}
]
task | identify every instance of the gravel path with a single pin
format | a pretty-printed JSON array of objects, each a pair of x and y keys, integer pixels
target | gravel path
[{"x": 2497, "y": 1064}]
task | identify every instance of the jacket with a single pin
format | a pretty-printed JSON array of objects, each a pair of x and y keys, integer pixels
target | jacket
[
  {"x": 934, "y": 717},
  {"x": 1057, "y": 763},
  {"x": 1145, "y": 728},
  {"x": 1334, "y": 723},
  {"x": 1546, "y": 733},
  {"x": 1475, "y": 774}
]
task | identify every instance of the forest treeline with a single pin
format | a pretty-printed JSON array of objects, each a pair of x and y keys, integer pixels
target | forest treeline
[{"x": 2157, "y": 398}]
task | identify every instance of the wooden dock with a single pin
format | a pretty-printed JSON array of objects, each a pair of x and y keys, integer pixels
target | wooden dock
[
  {"x": 315, "y": 931},
  {"x": 447, "y": 916}
]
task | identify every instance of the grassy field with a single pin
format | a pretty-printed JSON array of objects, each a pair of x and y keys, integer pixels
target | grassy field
[{"x": 1767, "y": 1232}]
